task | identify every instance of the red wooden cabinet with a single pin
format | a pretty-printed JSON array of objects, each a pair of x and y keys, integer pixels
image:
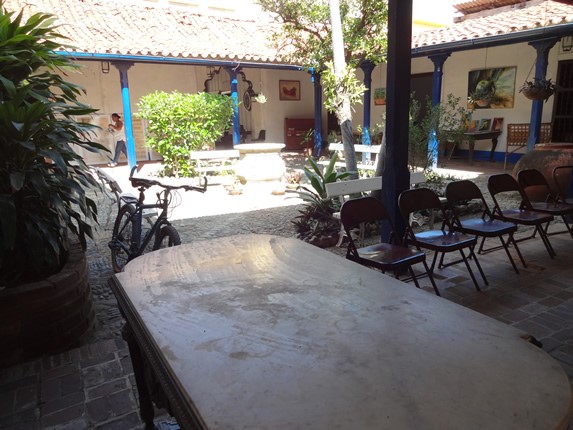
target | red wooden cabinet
[{"x": 296, "y": 130}]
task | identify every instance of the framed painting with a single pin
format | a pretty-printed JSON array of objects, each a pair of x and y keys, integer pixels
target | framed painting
[
  {"x": 473, "y": 125},
  {"x": 484, "y": 124},
  {"x": 379, "y": 96},
  {"x": 491, "y": 88},
  {"x": 289, "y": 90},
  {"x": 497, "y": 124}
]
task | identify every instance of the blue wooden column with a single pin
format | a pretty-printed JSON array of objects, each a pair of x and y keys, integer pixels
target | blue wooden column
[
  {"x": 315, "y": 76},
  {"x": 437, "y": 78},
  {"x": 235, "y": 96},
  {"x": 396, "y": 177},
  {"x": 367, "y": 67},
  {"x": 438, "y": 60},
  {"x": 123, "y": 67},
  {"x": 542, "y": 47}
]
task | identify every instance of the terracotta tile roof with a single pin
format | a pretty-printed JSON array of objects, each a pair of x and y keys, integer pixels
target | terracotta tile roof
[
  {"x": 472, "y": 6},
  {"x": 537, "y": 15},
  {"x": 123, "y": 28}
]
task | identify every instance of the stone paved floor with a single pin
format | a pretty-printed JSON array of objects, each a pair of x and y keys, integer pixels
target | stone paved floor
[{"x": 92, "y": 387}]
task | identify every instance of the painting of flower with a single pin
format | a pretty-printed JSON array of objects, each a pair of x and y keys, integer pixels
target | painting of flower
[{"x": 491, "y": 88}]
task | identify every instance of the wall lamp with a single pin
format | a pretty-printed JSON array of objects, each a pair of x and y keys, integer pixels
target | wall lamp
[
  {"x": 566, "y": 43},
  {"x": 105, "y": 67}
]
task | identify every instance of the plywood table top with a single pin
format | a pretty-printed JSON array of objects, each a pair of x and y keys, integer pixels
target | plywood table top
[{"x": 263, "y": 332}]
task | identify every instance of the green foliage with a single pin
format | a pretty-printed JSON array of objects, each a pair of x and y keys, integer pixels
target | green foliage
[
  {"x": 42, "y": 179},
  {"x": 180, "y": 123},
  {"x": 437, "y": 182},
  {"x": 446, "y": 119},
  {"x": 316, "y": 217},
  {"x": 335, "y": 88},
  {"x": 305, "y": 37},
  {"x": 318, "y": 179}
]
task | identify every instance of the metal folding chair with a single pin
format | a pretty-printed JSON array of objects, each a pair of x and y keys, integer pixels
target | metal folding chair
[
  {"x": 391, "y": 256},
  {"x": 484, "y": 226},
  {"x": 521, "y": 215},
  {"x": 441, "y": 241},
  {"x": 543, "y": 199}
]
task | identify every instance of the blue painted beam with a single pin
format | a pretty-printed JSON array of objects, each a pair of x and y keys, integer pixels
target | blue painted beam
[
  {"x": 367, "y": 67},
  {"x": 315, "y": 76},
  {"x": 437, "y": 78},
  {"x": 542, "y": 49},
  {"x": 396, "y": 177},
  {"x": 235, "y": 96},
  {"x": 123, "y": 67}
]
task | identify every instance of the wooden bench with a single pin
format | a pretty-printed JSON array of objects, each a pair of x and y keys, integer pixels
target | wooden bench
[
  {"x": 517, "y": 135},
  {"x": 341, "y": 189},
  {"x": 359, "y": 149},
  {"x": 215, "y": 160}
]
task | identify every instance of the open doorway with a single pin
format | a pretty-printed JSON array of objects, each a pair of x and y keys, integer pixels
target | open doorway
[
  {"x": 562, "y": 130},
  {"x": 421, "y": 86}
]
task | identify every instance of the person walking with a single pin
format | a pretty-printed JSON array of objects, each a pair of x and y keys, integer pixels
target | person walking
[{"x": 117, "y": 129}]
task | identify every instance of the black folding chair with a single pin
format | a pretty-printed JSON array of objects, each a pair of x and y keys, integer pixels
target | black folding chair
[
  {"x": 562, "y": 177},
  {"x": 543, "y": 199},
  {"x": 442, "y": 241},
  {"x": 485, "y": 226},
  {"x": 521, "y": 215},
  {"x": 384, "y": 256}
]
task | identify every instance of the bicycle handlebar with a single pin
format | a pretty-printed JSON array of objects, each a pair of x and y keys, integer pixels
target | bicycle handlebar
[{"x": 147, "y": 183}]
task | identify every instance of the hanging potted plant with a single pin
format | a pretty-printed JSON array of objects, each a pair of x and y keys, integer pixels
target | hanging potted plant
[
  {"x": 45, "y": 213},
  {"x": 538, "y": 89}
]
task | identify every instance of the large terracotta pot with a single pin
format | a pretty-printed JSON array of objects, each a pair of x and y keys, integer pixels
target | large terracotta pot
[
  {"x": 545, "y": 158},
  {"x": 48, "y": 316}
]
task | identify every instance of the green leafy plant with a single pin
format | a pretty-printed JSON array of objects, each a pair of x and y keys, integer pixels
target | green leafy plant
[
  {"x": 180, "y": 123},
  {"x": 316, "y": 216},
  {"x": 43, "y": 201},
  {"x": 440, "y": 123}
]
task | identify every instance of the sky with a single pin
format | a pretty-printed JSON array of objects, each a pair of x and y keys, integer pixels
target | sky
[{"x": 439, "y": 11}]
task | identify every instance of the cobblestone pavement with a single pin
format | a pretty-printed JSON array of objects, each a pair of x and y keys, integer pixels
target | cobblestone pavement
[{"x": 92, "y": 387}]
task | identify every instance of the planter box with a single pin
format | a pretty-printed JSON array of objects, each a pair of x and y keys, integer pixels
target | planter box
[{"x": 48, "y": 316}]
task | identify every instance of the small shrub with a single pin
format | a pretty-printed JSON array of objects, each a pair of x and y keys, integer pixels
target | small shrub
[{"x": 180, "y": 123}]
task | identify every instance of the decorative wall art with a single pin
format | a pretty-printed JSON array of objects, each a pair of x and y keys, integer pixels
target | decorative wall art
[
  {"x": 380, "y": 96},
  {"x": 289, "y": 90},
  {"x": 497, "y": 124},
  {"x": 491, "y": 88},
  {"x": 484, "y": 124}
]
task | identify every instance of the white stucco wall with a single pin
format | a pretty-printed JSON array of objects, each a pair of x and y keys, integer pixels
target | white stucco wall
[
  {"x": 103, "y": 91},
  {"x": 523, "y": 56}
]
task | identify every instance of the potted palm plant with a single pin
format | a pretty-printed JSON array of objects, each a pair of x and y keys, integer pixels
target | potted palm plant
[{"x": 45, "y": 212}]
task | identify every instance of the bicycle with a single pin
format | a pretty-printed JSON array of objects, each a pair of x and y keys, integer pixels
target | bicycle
[{"x": 127, "y": 242}]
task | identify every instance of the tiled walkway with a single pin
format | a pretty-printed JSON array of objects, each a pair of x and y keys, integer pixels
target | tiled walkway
[{"x": 92, "y": 387}]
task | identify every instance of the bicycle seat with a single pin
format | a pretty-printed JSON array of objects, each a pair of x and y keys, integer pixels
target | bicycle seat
[{"x": 142, "y": 182}]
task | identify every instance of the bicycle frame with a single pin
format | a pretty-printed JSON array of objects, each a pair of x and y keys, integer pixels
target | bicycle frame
[
  {"x": 138, "y": 244},
  {"x": 128, "y": 241}
]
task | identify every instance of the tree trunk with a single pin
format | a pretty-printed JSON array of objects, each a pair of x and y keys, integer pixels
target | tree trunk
[{"x": 344, "y": 111}]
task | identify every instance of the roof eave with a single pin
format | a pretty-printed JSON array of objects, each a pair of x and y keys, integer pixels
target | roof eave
[
  {"x": 535, "y": 34},
  {"x": 87, "y": 56}
]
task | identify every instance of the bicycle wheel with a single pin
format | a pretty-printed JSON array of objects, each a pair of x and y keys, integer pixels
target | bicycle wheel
[
  {"x": 167, "y": 237},
  {"x": 122, "y": 237}
]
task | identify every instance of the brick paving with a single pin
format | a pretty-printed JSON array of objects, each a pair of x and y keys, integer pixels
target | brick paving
[{"x": 92, "y": 386}]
